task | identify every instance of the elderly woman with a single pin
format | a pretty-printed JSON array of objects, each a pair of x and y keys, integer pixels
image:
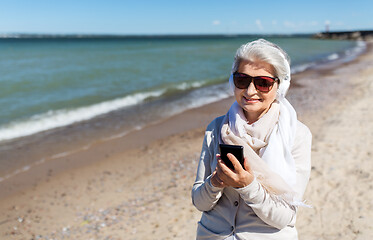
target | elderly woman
[{"x": 258, "y": 200}]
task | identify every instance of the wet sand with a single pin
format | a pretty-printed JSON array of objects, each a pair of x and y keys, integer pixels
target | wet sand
[{"x": 138, "y": 186}]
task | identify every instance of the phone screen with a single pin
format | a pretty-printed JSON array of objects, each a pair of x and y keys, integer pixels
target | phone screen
[{"x": 236, "y": 150}]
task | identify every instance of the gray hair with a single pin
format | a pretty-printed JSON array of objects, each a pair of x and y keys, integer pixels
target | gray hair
[{"x": 265, "y": 51}]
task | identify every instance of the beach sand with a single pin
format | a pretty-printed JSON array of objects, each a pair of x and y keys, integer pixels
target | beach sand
[{"x": 138, "y": 186}]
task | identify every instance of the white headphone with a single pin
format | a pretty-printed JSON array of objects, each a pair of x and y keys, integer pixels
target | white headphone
[{"x": 284, "y": 82}]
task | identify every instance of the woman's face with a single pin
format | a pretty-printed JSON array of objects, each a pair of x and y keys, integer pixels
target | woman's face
[{"x": 255, "y": 103}]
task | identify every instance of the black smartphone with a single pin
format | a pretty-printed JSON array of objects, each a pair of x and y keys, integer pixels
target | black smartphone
[{"x": 236, "y": 150}]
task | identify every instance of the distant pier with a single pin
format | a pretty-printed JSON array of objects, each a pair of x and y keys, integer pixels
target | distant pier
[{"x": 348, "y": 35}]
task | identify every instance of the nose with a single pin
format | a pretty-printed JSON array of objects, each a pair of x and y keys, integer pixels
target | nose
[{"x": 251, "y": 88}]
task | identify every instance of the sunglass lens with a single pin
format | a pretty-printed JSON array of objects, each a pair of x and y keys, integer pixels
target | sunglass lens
[
  {"x": 241, "y": 81},
  {"x": 263, "y": 84}
]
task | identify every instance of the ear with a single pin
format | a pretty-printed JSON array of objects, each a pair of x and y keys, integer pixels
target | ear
[{"x": 283, "y": 87}]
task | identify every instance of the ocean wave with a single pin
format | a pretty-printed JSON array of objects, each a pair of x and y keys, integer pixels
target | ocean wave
[
  {"x": 352, "y": 53},
  {"x": 186, "y": 86},
  {"x": 333, "y": 56},
  {"x": 192, "y": 99},
  {"x": 64, "y": 117},
  {"x": 344, "y": 56},
  {"x": 302, "y": 67},
  {"x": 60, "y": 118},
  {"x": 202, "y": 96}
]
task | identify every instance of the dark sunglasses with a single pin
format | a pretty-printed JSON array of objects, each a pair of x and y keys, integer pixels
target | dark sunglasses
[{"x": 261, "y": 83}]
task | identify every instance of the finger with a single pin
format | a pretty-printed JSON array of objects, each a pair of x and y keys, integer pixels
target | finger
[
  {"x": 219, "y": 177},
  {"x": 215, "y": 180},
  {"x": 236, "y": 164},
  {"x": 226, "y": 174},
  {"x": 218, "y": 158},
  {"x": 247, "y": 165},
  {"x": 220, "y": 166},
  {"x": 221, "y": 182}
]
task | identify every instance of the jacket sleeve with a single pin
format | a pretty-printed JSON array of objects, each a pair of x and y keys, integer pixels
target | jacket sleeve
[
  {"x": 204, "y": 194},
  {"x": 275, "y": 212}
]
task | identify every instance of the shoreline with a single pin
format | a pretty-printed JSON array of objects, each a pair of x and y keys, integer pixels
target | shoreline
[
  {"x": 90, "y": 152},
  {"x": 139, "y": 185}
]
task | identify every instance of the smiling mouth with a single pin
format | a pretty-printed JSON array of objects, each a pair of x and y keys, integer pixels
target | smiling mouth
[{"x": 252, "y": 99}]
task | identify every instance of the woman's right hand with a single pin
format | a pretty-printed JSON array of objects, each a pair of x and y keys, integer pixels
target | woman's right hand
[{"x": 225, "y": 177}]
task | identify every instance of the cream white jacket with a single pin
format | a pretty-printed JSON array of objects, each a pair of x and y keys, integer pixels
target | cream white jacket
[{"x": 248, "y": 212}]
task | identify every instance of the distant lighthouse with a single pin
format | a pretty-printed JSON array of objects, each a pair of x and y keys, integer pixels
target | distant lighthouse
[{"x": 327, "y": 23}]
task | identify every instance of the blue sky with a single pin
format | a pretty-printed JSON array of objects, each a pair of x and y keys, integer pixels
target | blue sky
[{"x": 182, "y": 17}]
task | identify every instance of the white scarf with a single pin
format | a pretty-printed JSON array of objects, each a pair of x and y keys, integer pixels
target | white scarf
[{"x": 267, "y": 145}]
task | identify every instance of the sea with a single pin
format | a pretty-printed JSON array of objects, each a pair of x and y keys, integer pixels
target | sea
[{"x": 50, "y": 82}]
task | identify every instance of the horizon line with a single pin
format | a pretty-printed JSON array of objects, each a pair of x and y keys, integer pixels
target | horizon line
[
  {"x": 15, "y": 35},
  {"x": 144, "y": 35}
]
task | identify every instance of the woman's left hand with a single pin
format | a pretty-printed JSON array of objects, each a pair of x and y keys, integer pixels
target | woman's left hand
[{"x": 236, "y": 178}]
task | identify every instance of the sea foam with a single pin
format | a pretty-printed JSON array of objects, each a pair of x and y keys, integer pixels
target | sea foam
[
  {"x": 345, "y": 56},
  {"x": 64, "y": 117}
]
